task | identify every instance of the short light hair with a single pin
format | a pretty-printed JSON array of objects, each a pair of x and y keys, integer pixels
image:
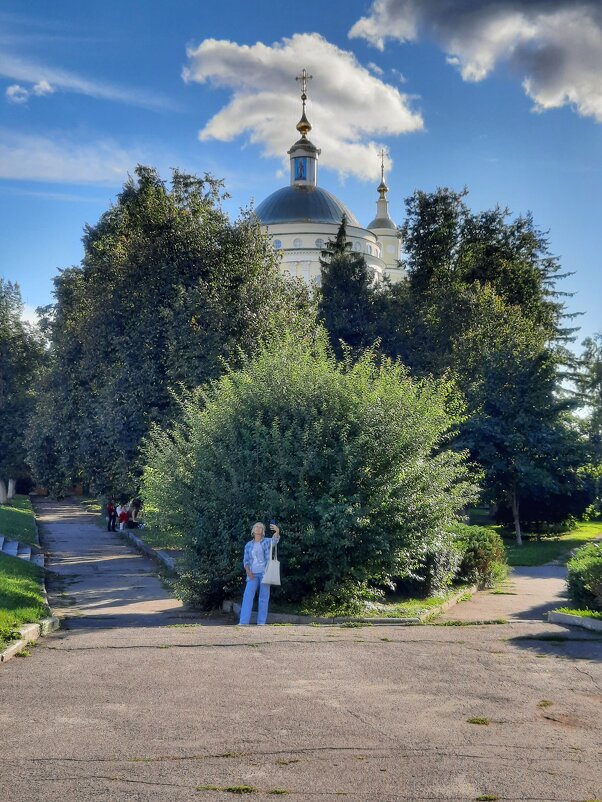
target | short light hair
[{"x": 258, "y": 524}]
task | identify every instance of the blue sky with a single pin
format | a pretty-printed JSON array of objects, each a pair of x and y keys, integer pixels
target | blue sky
[{"x": 503, "y": 98}]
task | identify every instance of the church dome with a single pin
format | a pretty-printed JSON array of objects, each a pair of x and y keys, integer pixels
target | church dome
[
  {"x": 382, "y": 222},
  {"x": 303, "y": 204}
]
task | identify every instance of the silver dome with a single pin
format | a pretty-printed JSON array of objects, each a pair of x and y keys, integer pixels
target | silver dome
[{"x": 303, "y": 204}]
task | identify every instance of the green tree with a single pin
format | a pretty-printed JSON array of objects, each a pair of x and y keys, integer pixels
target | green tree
[
  {"x": 349, "y": 456},
  {"x": 481, "y": 304},
  {"x": 517, "y": 427},
  {"x": 347, "y": 297},
  {"x": 167, "y": 291},
  {"x": 589, "y": 385},
  {"x": 21, "y": 357},
  {"x": 449, "y": 248}
]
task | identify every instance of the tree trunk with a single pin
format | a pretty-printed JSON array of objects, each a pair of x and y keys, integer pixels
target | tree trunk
[
  {"x": 515, "y": 515},
  {"x": 3, "y": 493},
  {"x": 12, "y": 483}
]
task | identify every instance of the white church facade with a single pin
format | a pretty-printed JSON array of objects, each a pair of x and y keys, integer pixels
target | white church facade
[{"x": 302, "y": 217}]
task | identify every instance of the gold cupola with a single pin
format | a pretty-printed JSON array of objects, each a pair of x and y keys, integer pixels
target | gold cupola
[{"x": 304, "y": 154}]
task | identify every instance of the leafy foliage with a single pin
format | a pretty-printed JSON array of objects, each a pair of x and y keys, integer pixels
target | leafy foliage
[
  {"x": 585, "y": 576},
  {"x": 21, "y": 359},
  {"x": 518, "y": 428},
  {"x": 167, "y": 290},
  {"x": 480, "y": 304},
  {"x": 589, "y": 383},
  {"x": 347, "y": 456},
  {"x": 483, "y": 558}
]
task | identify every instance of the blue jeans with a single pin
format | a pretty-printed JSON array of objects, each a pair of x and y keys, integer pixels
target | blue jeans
[{"x": 249, "y": 597}]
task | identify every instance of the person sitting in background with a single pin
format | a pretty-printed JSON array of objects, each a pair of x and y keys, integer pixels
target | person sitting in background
[{"x": 123, "y": 518}]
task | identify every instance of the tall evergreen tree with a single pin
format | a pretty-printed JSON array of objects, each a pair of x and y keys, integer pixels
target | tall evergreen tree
[{"x": 347, "y": 297}]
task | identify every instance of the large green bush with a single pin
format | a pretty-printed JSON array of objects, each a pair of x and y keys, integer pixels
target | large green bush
[
  {"x": 348, "y": 457},
  {"x": 483, "y": 557},
  {"x": 437, "y": 570},
  {"x": 585, "y": 576}
]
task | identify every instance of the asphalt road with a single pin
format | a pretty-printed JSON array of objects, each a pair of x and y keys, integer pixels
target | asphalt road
[{"x": 163, "y": 712}]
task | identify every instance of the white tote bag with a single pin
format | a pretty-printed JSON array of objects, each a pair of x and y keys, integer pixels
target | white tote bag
[{"x": 271, "y": 575}]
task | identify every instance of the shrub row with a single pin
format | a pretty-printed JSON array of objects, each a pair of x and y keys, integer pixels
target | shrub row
[
  {"x": 585, "y": 576},
  {"x": 471, "y": 554}
]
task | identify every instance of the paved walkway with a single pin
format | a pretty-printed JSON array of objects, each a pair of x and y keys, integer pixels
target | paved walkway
[
  {"x": 528, "y": 595},
  {"x": 123, "y": 706},
  {"x": 96, "y": 578}
]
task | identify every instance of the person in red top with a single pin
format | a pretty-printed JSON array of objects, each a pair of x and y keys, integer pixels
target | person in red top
[{"x": 111, "y": 516}]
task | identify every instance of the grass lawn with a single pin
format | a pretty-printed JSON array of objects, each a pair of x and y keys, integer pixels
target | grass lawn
[
  {"x": 581, "y": 613},
  {"x": 159, "y": 540},
  {"x": 17, "y": 521},
  {"x": 409, "y": 608},
  {"x": 538, "y": 552},
  {"x": 392, "y": 607},
  {"x": 21, "y": 599}
]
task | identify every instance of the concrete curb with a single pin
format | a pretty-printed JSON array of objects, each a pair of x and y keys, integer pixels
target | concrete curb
[
  {"x": 157, "y": 554},
  {"x": 593, "y": 624},
  {"x": 284, "y": 618},
  {"x": 29, "y": 633}
]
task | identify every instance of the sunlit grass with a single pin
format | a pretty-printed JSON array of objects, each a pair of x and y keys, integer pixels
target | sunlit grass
[
  {"x": 540, "y": 551},
  {"x": 17, "y": 521},
  {"x": 21, "y": 599},
  {"x": 581, "y": 613}
]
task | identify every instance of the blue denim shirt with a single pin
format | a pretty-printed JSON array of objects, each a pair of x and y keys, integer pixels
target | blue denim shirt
[{"x": 266, "y": 543}]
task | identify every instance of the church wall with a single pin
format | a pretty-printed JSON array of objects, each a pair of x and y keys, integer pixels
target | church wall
[{"x": 301, "y": 245}]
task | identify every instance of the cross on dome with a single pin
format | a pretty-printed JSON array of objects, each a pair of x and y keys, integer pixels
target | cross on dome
[
  {"x": 304, "y": 126},
  {"x": 382, "y": 188},
  {"x": 304, "y": 78}
]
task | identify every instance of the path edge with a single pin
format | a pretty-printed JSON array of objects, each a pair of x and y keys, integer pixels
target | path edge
[
  {"x": 591, "y": 624},
  {"x": 45, "y": 626},
  {"x": 284, "y": 618},
  {"x": 157, "y": 554}
]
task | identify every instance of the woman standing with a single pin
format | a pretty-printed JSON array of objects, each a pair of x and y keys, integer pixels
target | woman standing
[{"x": 255, "y": 560}]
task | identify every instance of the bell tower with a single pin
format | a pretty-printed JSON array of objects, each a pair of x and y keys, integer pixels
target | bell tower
[
  {"x": 386, "y": 230},
  {"x": 304, "y": 154}
]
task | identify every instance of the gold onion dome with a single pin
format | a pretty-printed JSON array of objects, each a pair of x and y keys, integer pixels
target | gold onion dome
[{"x": 304, "y": 125}]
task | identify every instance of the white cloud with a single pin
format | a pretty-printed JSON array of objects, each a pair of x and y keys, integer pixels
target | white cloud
[
  {"x": 347, "y": 107},
  {"x": 554, "y": 45},
  {"x": 45, "y": 80},
  {"x": 42, "y": 88},
  {"x": 64, "y": 159},
  {"x": 17, "y": 94}
]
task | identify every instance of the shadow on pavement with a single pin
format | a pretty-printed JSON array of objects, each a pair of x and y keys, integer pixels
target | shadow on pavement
[{"x": 564, "y": 642}]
